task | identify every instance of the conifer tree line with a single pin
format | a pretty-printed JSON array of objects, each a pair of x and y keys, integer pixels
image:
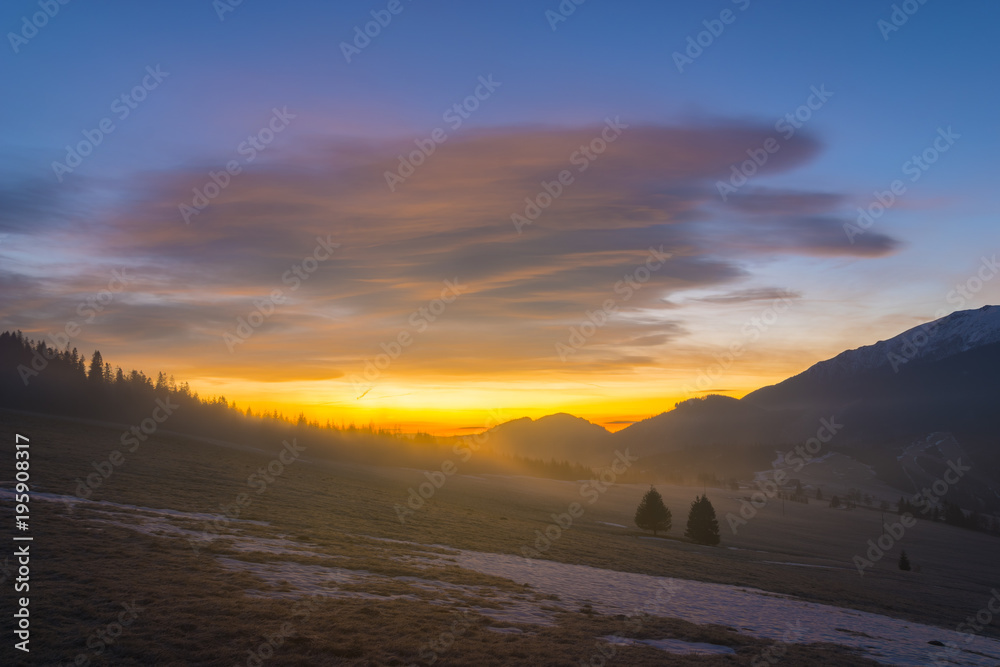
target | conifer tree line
[
  {"x": 39, "y": 378},
  {"x": 36, "y": 377}
]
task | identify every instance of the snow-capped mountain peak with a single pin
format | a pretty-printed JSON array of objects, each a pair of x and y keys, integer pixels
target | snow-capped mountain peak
[{"x": 952, "y": 334}]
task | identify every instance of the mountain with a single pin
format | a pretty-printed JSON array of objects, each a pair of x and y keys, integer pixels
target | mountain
[
  {"x": 699, "y": 421},
  {"x": 936, "y": 383},
  {"x": 952, "y": 335},
  {"x": 938, "y": 378},
  {"x": 559, "y": 436}
]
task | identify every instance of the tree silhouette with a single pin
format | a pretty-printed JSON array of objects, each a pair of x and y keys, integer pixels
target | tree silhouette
[
  {"x": 652, "y": 514},
  {"x": 35, "y": 376},
  {"x": 904, "y": 561},
  {"x": 702, "y": 527},
  {"x": 96, "y": 373}
]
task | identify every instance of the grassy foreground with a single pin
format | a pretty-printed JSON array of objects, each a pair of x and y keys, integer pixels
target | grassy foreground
[{"x": 174, "y": 604}]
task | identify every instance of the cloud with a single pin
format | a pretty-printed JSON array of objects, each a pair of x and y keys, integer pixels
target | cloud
[
  {"x": 751, "y": 294},
  {"x": 32, "y": 203},
  {"x": 653, "y": 187},
  {"x": 771, "y": 202}
]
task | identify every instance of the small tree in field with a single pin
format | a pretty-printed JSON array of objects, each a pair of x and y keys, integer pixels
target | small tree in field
[
  {"x": 904, "y": 562},
  {"x": 652, "y": 514},
  {"x": 702, "y": 527}
]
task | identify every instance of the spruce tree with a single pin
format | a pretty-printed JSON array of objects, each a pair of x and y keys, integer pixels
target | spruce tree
[
  {"x": 96, "y": 373},
  {"x": 904, "y": 561},
  {"x": 702, "y": 526},
  {"x": 652, "y": 514}
]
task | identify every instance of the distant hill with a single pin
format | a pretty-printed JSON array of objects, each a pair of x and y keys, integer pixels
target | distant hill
[
  {"x": 35, "y": 377},
  {"x": 939, "y": 377},
  {"x": 559, "y": 436},
  {"x": 699, "y": 421}
]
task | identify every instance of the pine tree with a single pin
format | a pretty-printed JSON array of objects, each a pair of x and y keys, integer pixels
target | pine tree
[
  {"x": 702, "y": 526},
  {"x": 652, "y": 514},
  {"x": 96, "y": 373},
  {"x": 904, "y": 561}
]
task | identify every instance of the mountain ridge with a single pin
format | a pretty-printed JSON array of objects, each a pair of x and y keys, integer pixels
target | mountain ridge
[
  {"x": 936, "y": 377},
  {"x": 938, "y": 339}
]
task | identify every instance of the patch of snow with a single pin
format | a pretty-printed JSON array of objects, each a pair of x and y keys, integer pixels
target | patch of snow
[
  {"x": 820, "y": 459},
  {"x": 759, "y": 613},
  {"x": 824, "y": 567},
  {"x": 527, "y": 613},
  {"x": 955, "y": 333},
  {"x": 613, "y": 525},
  {"x": 324, "y": 581},
  {"x": 72, "y": 501},
  {"x": 674, "y": 646},
  {"x": 312, "y": 579}
]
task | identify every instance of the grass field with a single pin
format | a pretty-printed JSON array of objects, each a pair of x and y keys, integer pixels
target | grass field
[{"x": 240, "y": 591}]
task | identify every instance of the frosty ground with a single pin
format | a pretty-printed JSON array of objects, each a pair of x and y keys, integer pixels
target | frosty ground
[{"x": 448, "y": 586}]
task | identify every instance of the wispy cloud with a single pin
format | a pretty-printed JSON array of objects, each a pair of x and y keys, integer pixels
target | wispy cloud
[
  {"x": 748, "y": 295},
  {"x": 652, "y": 187}
]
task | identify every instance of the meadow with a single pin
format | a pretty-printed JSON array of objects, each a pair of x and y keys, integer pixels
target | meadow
[{"x": 315, "y": 566}]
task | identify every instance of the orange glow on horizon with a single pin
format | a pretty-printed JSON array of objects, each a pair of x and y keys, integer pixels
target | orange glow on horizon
[{"x": 412, "y": 408}]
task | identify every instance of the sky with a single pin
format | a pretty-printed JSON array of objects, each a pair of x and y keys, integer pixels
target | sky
[{"x": 476, "y": 213}]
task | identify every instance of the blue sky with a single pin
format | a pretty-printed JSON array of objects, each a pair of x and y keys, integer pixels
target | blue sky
[
  {"x": 605, "y": 58},
  {"x": 890, "y": 98}
]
